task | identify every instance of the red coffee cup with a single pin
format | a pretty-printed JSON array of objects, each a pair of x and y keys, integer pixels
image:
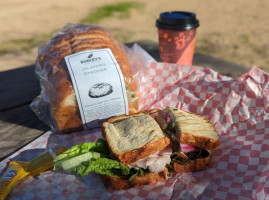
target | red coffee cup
[{"x": 177, "y": 34}]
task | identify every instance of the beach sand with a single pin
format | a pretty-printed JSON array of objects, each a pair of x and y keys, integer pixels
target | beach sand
[{"x": 236, "y": 31}]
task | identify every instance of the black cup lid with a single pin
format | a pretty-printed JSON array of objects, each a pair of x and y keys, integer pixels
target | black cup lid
[{"x": 177, "y": 20}]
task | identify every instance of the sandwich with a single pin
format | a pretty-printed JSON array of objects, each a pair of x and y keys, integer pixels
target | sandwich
[
  {"x": 144, "y": 148},
  {"x": 133, "y": 151},
  {"x": 192, "y": 137}
]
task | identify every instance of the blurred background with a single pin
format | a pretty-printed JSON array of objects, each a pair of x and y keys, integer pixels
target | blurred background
[{"x": 233, "y": 30}]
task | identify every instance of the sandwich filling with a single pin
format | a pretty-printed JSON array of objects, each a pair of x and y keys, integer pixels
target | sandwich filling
[{"x": 154, "y": 163}]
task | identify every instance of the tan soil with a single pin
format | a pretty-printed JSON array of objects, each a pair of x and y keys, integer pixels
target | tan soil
[{"x": 236, "y": 31}]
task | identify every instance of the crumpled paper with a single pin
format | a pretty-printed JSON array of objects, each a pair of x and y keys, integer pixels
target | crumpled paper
[{"x": 238, "y": 107}]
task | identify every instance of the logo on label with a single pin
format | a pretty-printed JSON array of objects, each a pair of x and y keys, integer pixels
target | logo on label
[
  {"x": 90, "y": 59},
  {"x": 9, "y": 175}
]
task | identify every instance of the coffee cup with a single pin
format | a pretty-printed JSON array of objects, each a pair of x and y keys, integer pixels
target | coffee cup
[{"x": 177, "y": 34}]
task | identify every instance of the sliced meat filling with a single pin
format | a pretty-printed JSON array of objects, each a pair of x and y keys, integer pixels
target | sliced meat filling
[{"x": 155, "y": 162}]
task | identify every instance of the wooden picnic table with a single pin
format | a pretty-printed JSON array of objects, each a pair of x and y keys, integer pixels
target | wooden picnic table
[{"x": 18, "y": 123}]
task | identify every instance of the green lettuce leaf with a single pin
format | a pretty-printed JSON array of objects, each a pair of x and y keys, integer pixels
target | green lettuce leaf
[
  {"x": 100, "y": 147},
  {"x": 140, "y": 171},
  {"x": 103, "y": 166},
  {"x": 92, "y": 157}
]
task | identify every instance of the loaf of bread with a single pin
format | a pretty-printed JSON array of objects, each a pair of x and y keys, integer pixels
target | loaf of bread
[{"x": 55, "y": 78}]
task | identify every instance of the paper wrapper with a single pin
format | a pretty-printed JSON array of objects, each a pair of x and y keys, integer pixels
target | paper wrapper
[{"x": 239, "y": 109}]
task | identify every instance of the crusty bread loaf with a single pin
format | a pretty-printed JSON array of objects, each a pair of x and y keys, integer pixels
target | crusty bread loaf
[
  {"x": 122, "y": 183},
  {"x": 56, "y": 80},
  {"x": 133, "y": 137},
  {"x": 195, "y": 130}
]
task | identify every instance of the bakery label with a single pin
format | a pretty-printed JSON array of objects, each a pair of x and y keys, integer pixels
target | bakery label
[{"x": 99, "y": 86}]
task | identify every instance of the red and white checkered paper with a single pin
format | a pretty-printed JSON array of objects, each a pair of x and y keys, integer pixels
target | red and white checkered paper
[{"x": 239, "y": 109}]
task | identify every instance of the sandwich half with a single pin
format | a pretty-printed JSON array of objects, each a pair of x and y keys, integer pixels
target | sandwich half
[
  {"x": 192, "y": 137},
  {"x": 134, "y": 151},
  {"x": 137, "y": 141}
]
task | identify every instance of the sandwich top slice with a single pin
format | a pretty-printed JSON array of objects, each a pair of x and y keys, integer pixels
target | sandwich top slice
[
  {"x": 134, "y": 137},
  {"x": 193, "y": 138},
  {"x": 133, "y": 151}
]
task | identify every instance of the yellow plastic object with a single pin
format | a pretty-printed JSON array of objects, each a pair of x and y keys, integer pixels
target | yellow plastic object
[{"x": 18, "y": 170}]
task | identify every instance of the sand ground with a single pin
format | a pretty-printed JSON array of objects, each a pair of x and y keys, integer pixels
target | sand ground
[{"x": 234, "y": 30}]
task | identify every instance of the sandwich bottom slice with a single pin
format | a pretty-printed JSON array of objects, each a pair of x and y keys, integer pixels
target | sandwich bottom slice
[
  {"x": 192, "y": 137},
  {"x": 194, "y": 161},
  {"x": 122, "y": 183}
]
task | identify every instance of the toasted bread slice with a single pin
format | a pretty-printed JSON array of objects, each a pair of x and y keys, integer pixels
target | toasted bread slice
[
  {"x": 191, "y": 165},
  {"x": 195, "y": 130},
  {"x": 133, "y": 137},
  {"x": 196, "y": 160},
  {"x": 123, "y": 183}
]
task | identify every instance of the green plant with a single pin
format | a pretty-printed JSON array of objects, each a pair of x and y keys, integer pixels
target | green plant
[
  {"x": 244, "y": 38},
  {"x": 23, "y": 45},
  {"x": 120, "y": 10}
]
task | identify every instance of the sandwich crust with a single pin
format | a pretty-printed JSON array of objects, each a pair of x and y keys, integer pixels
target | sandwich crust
[
  {"x": 122, "y": 183},
  {"x": 199, "y": 141},
  {"x": 148, "y": 149}
]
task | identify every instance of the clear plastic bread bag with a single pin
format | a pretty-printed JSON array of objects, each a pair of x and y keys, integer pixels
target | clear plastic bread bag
[{"x": 85, "y": 78}]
